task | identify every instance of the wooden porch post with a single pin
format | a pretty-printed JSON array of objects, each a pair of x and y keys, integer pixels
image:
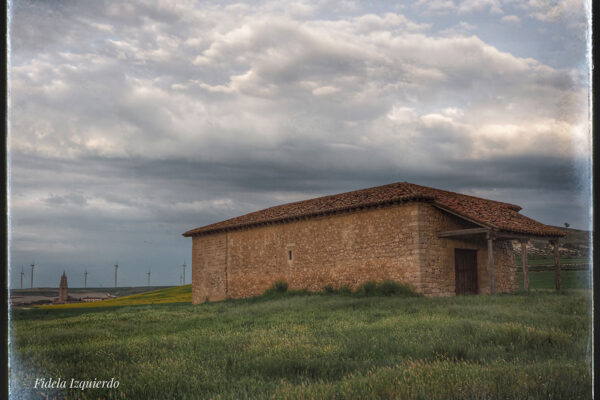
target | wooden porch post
[
  {"x": 554, "y": 243},
  {"x": 490, "y": 242},
  {"x": 524, "y": 263}
]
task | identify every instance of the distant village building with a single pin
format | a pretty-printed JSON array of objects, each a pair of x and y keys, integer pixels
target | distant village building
[
  {"x": 439, "y": 242},
  {"x": 63, "y": 288},
  {"x": 89, "y": 299}
]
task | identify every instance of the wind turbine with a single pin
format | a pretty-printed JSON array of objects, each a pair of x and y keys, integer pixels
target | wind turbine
[
  {"x": 183, "y": 276},
  {"x": 32, "y": 266},
  {"x": 148, "y": 273},
  {"x": 22, "y": 274},
  {"x": 85, "y": 280},
  {"x": 116, "y": 268}
]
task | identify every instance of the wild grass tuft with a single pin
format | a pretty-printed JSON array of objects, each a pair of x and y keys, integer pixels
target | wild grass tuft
[
  {"x": 385, "y": 288},
  {"x": 278, "y": 287},
  {"x": 368, "y": 289}
]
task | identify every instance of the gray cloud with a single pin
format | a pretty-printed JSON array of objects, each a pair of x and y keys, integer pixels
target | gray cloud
[{"x": 133, "y": 122}]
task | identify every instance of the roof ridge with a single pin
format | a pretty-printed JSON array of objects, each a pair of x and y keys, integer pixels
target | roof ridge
[
  {"x": 489, "y": 212},
  {"x": 511, "y": 206},
  {"x": 408, "y": 187},
  {"x": 324, "y": 197}
]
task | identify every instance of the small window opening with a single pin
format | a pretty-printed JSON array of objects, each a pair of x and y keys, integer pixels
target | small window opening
[{"x": 290, "y": 254}]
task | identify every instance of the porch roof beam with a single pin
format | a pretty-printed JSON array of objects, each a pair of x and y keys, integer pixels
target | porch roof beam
[
  {"x": 462, "y": 232},
  {"x": 520, "y": 236}
]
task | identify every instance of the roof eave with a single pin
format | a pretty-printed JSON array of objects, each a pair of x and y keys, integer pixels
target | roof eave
[{"x": 200, "y": 232}]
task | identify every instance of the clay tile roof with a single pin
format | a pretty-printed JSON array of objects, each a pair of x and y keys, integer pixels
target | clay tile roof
[{"x": 494, "y": 214}]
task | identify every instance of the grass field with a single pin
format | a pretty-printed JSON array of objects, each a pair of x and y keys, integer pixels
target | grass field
[
  {"x": 314, "y": 346},
  {"x": 183, "y": 294},
  {"x": 534, "y": 261},
  {"x": 569, "y": 279},
  {"x": 175, "y": 294},
  {"x": 118, "y": 291}
]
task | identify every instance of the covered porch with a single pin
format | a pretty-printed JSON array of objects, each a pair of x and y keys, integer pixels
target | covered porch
[{"x": 493, "y": 234}]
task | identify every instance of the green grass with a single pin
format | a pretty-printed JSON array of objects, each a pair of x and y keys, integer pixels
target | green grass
[
  {"x": 298, "y": 346},
  {"x": 183, "y": 294},
  {"x": 534, "y": 261},
  {"x": 176, "y": 294},
  {"x": 569, "y": 279},
  {"x": 118, "y": 291}
]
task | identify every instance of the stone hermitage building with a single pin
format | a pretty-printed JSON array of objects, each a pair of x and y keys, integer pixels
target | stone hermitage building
[{"x": 440, "y": 243}]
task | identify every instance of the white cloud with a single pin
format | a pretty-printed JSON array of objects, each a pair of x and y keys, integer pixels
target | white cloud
[
  {"x": 552, "y": 10},
  {"x": 437, "y": 121},
  {"x": 403, "y": 115},
  {"x": 389, "y": 21},
  {"x": 325, "y": 90},
  {"x": 460, "y": 6},
  {"x": 511, "y": 19},
  {"x": 461, "y": 29},
  {"x": 453, "y": 112},
  {"x": 470, "y": 6},
  {"x": 255, "y": 74},
  {"x": 502, "y": 139},
  {"x": 572, "y": 13},
  {"x": 276, "y": 91},
  {"x": 437, "y": 6}
]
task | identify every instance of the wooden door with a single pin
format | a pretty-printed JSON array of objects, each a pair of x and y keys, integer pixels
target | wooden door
[{"x": 465, "y": 264}]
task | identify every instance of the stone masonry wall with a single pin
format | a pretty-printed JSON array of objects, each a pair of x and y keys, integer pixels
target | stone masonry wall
[
  {"x": 505, "y": 267},
  {"x": 397, "y": 242},
  {"x": 437, "y": 255},
  {"x": 346, "y": 249},
  {"x": 209, "y": 264}
]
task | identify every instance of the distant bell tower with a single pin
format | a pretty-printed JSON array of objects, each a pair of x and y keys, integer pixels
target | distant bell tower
[{"x": 63, "y": 289}]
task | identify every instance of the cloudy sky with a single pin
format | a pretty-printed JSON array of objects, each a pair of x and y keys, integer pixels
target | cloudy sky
[{"x": 132, "y": 122}]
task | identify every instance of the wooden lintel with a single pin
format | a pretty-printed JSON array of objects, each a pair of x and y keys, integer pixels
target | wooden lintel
[
  {"x": 462, "y": 232},
  {"x": 520, "y": 236}
]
